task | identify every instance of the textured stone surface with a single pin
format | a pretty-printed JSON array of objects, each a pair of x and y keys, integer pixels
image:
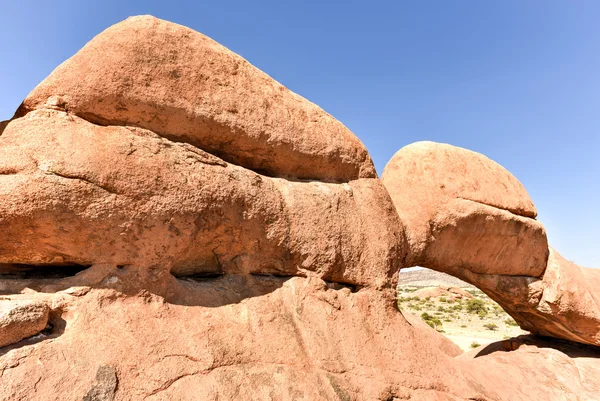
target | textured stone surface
[
  {"x": 465, "y": 215},
  {"x": 105, "y": 385},
  {"x": 126, "y": 196},
  {"x": 460, "y": 208},
  {"x": 19, "y": 320},
  {"x": 181, "y": 84},
  {"x": 564, "y": 303},
  {"x": 266, "y": 338},
  {"x": 556, "y": 370},
  {"x": 200, "y": 190}
]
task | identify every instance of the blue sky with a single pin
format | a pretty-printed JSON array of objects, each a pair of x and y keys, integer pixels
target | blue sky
[{"x": 518, "y": 81}]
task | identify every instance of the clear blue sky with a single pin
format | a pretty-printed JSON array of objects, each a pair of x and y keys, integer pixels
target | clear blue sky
[{"x": 516, "y": 80}]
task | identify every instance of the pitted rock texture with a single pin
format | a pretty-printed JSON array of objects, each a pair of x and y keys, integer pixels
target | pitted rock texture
[
  {"x": 126, "y": 196},
  {"x": 158, "y": 75},
  {"x": 19, "y": 320}
]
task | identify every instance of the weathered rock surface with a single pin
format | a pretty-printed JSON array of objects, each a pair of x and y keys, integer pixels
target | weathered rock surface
[
  {"x": 265, "y": 338},
  {"x": 126, "y": 196},
  {"x": 19, "y": 320},
  {"x": 155, "y": 153},
  {"x": 158, "y": 75},
  {"x": 564, "y": 303},
  {"x": 561, "y": 370},
  {"x": 447, "y": 196},
  {"x": 465, "y": 215}
]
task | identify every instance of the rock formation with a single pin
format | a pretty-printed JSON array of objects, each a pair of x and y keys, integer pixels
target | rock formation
[
  {"x": 176, "y": 225},
  {"x": 186, "y": 87},
  {"x": 465, "y": 215},
  {"x": 126, "y": 196},
  {"x": 435, "y": 292}
]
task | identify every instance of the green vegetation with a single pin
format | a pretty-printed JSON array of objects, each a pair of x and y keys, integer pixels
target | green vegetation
[
  {"x": 455, "y": 316},
  {"x": 476, "y": 305},
  {"x": 475, "y": 344},
  {"x": 491, "y": 326},
  {"x": 432, "y": 321}
]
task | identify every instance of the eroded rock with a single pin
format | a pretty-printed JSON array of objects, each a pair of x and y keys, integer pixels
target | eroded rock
[
  {"x": 465, "y": 215},
  {"x": 460, "y": 208},
  {"x": 155, "y": 153},
  {"x": 21, "y": 319},
  {"x": 174, "y": 81},
  {"x": 126, "y": 196}
]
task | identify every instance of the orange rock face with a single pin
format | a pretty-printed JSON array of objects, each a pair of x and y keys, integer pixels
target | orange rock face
[
  {"x": 21, "y": 320},
  {"x": 186, "y": 87},
  {"x": 465, "y": 215},
  {"x": 446, "y": 196},
  {"x": 160, "y": 239},
  {"x": 127, "y": 196}
]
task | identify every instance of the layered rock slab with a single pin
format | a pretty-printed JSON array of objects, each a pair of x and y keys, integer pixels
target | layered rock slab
[
  {"x": 172, "y": 80},
  {"x": 75, "y": 192}
]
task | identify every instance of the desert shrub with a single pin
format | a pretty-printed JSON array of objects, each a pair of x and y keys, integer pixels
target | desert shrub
[
  {"x": 417, "y": 307},
  {"x": 475, "y": 344},
  {"x": 428, "y": 298},
  {"x": 482, "y": 313},
  {"x": 491, "y": 326},
  {"x": 457, "y": 307},
  {"x": 447, "y": 320},
  {"x": 443, "y": 299},
  {"x": 438, "y": 313},
  {"x": 476, "y": 306},
  {"x": 441, "y": 309},
  {"x": 431, "y": 320},
  {"x": 416, "y": 299},
  {"x": 463, "y": 326},
  {"x": 510, "y": 322}
]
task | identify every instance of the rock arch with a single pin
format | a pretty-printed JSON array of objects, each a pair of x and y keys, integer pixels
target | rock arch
[{"x": 465, "y": 215}]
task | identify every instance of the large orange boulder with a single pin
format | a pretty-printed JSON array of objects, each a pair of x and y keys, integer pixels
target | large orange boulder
[
  {"x": 127, "y": 196},
  {"x": 159, "y": 241},
  {"x": 460, "y": 208},
  {"x": 465, "y": 215},
  {"x": 184, "y": 86}
]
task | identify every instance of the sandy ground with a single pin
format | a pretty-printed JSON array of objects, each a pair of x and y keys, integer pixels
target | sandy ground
[{"x": 466, "y": 329}]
